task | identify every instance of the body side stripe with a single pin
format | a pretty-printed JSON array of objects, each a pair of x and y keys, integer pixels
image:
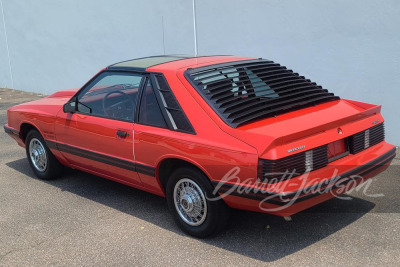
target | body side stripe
[{"x": 120, "y": 163}]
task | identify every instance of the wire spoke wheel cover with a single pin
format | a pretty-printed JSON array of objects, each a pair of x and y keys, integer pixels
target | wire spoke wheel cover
[
  {"x": 38, "y": 155},
  {"x": 190, "y": 202}
]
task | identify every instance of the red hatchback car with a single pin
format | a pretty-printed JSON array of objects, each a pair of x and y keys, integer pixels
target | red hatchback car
[{"x": 207, "y": 133}]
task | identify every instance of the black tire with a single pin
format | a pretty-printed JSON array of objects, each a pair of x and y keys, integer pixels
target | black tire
[
  {"x": 53, "y": 168},
  {"x": 217, "y": 212}
]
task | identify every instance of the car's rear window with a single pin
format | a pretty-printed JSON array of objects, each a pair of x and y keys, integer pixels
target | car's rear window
[{"x": 245, "y": 91}]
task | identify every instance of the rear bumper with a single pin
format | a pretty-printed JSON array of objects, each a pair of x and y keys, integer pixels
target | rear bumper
[{"x": 287, "y": 203}]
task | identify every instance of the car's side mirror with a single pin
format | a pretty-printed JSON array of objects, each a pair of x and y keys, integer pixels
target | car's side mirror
[{"x": 70, "y": 107}]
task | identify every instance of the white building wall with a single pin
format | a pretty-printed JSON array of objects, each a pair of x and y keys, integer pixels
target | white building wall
[{"x": 350, "y": 47}]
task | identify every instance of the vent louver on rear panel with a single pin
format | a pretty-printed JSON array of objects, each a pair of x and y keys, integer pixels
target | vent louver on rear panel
[
  {"x": 273, "y": 171},
  {"x": 175, "y": 113},
  {"x": 365, "y": 139},
  {"x": 244, "y": 91}
]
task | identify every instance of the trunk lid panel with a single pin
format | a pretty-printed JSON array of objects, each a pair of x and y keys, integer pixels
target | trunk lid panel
[{"x": 305, "y": 129}]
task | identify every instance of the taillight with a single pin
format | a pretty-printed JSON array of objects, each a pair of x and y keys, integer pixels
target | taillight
[
  {"x": 272, "y": 171},
  {"x": 365, "y": 139},
  {"x": 291, "y": 166}
]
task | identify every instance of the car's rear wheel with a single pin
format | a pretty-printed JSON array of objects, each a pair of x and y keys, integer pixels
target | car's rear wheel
[
  {"x": 42, "y": 161},
  {"x": 188, "y": 194}
]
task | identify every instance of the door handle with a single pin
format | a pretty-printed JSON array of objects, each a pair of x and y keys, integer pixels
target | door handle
[{"x": 122, "y": 134}]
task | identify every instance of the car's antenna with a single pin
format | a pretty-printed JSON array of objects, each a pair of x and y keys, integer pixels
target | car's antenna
[
  {"x": 163, "y": 34},
  {"x": 194, "y": 28}
]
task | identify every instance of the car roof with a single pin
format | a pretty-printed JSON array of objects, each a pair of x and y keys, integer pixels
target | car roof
[{"x": 164, "y": 62}]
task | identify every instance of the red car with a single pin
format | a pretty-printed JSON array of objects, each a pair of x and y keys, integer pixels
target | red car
[{"x": 209, "y": 134}]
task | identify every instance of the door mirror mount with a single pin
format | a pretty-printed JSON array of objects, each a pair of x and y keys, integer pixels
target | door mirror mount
[{"x": 70, "y": 106}]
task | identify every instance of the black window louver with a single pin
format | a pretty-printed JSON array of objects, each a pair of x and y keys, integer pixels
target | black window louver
[
  {"x": 248, "y": 90},
  {"x": 174, "y": 111}
]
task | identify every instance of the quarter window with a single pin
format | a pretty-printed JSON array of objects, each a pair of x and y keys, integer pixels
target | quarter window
[{"x": 150, "y": 112}]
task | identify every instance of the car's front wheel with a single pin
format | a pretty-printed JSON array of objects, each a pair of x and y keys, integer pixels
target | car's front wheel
[
  {"x": 188, "y": 194},
  {"x": 42, "y": 161}
]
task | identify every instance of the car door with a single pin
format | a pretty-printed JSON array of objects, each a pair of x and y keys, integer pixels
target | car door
[{"x": 99, "y": 136}]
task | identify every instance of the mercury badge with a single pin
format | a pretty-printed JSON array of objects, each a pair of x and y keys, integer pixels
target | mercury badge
[{"x": 295, "y": 149}]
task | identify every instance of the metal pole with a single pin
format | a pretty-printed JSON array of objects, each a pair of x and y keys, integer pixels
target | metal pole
[
  {"x": 194, "y": 28},
  {"x": 8, "y": 50},
  {"x": 163, "y": 35}
]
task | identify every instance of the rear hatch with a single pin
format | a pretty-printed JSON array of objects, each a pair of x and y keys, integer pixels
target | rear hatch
[{"x": 276, "y": 110}]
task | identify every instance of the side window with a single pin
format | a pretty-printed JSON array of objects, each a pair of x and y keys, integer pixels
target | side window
[
  {"x": 111, "y": 94},
  {"x": 150, "y": 113}
]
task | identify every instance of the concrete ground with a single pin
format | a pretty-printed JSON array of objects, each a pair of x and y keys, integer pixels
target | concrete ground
[{"x": 81, "y": 219}]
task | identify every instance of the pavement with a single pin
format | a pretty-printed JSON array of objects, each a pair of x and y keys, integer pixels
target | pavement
[{"x": 84, "y": 220}]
